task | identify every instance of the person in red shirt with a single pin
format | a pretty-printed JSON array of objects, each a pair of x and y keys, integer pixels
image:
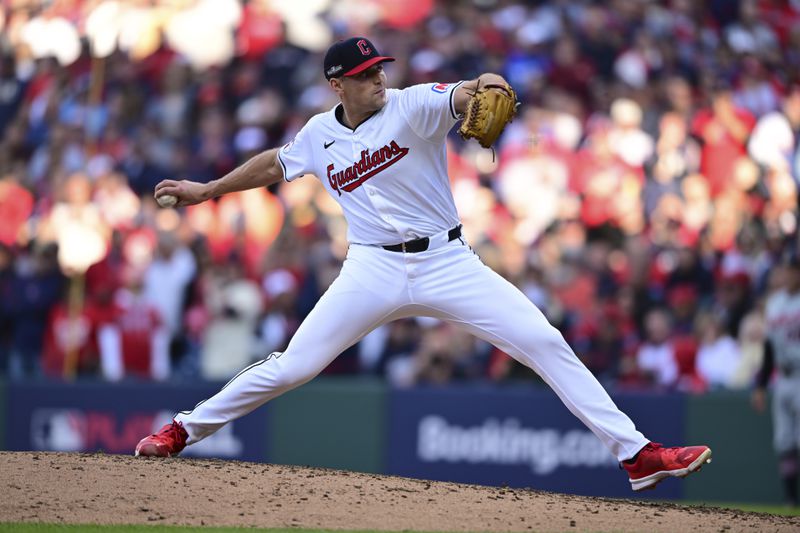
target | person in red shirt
[
  {"x": 134, "y": 343},
  {"x": 723, "y": 130},
  {"x": 70, "y": 345},
  {"x": 16, "y": 206}
]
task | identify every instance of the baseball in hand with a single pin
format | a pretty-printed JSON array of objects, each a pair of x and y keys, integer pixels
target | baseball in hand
[{"x": 167, "y": 200}]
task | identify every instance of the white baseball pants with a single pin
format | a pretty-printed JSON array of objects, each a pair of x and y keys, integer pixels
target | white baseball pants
[{"x": 448, "y": 282}]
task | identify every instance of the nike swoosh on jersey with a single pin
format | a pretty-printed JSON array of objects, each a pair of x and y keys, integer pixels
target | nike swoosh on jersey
[{"x": 326, "y": 145}]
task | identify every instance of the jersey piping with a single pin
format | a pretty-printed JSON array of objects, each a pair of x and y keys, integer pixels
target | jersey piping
[{"x": 456, "y": 116}]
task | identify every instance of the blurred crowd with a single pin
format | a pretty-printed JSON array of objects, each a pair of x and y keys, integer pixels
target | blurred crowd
[{"x": 644, "y": 198}]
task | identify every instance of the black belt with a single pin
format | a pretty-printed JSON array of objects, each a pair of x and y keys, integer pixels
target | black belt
[{"x": 421, "y": 244}]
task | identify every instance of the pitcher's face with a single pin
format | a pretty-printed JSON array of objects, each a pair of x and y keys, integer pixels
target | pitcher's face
[{"x": 365, "y": 90}]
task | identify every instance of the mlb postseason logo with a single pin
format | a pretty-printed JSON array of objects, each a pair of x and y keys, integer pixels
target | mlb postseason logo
[
  {"x": 88, "y": 430},
  {"x": 440, "y": 88}
]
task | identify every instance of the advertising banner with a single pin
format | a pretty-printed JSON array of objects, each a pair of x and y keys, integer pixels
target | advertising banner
[
  {"x": 87, "y": 417},
  {"x": 518, "y": 437}
]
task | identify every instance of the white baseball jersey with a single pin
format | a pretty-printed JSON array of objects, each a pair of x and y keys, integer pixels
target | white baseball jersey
[{"x": 390, "y": 173}]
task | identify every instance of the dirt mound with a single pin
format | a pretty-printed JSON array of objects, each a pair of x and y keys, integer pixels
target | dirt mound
[{"x": 113, "y": 489}]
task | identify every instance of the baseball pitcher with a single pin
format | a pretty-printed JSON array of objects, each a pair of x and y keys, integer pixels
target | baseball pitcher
[{"x": 381, "y": 154}]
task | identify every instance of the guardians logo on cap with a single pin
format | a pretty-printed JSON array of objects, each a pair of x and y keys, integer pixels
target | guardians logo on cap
[{"x": 351, "y": 56}]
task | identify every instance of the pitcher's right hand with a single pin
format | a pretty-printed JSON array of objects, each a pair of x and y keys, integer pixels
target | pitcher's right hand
[{"x": 187, "y": 192}]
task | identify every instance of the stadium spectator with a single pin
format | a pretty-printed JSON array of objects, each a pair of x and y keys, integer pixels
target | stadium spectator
[
  {"x": 70, "y": 343},
  {"x": 444, "y": 354},
  {"x": 77, "y": 226},
  {"x": 656, "y": 356},
  {"x": 629, "y": 142},
  {"x": 604, "y": 339},
  {"x": 751, "y": 346},
  {"x": 723, "y": 129},
  {"x": 774, "y": 143},
  {"x": 12, "y": 91},
  {"x": 166, "y": 281},
  {"x": 34, "y": 289},
  {"x": 675, "y": 156},
  {"x": 390, "y": 351},
  {"x": 6, "y": 307},
  {"x": 134, "y": 342},
  {"x": 279, "y": 321},
  {"x": 234, "y": 304},
  {"x": 718, "y": 356},
  {"x": 16, "y": 206},
  {"x": 733, "y": 299},
  {"x": 751, "y": 35},
  {"x": 654, "y": 162}
]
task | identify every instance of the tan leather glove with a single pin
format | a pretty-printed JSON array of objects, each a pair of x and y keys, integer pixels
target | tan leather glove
[{"x": 488, "y": 111}]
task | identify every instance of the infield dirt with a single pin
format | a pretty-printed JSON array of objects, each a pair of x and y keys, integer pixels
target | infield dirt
[{"x": 112, "y": 489}]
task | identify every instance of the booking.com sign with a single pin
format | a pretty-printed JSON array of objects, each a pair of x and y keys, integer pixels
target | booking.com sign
[
  {"x": 515, "y": 436},
  {"x": 508, "y": 443}
]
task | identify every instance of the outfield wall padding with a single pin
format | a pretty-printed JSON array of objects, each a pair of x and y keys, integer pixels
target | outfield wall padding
[
  {"x": 334, "y": 422},
  {"x": 744, "y": 467}
]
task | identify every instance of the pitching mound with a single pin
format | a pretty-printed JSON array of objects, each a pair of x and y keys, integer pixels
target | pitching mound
[{"x": 112, "y": 489}]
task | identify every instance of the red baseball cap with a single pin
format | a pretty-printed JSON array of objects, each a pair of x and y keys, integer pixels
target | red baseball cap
[{"x": 351, "y": 56}]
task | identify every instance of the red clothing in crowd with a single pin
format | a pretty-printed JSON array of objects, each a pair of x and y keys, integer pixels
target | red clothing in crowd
[
  {"x": 136, "y": 322},
  {"x": 599, "y": 179},
  {"x": 130, "y": 342},
  {"x": 67, "y": 336},
  {"x": 16, "y": 206},
  {"x": 720, "y": 149}
]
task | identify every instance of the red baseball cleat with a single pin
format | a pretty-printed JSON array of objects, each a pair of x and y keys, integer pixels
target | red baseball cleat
[
  {"x": 655, "y": 463},
  {"x": 169, "y": 441}
]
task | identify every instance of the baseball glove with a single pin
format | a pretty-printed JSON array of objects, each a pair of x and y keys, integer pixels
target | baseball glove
[{"x": 488, "y": 111}]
